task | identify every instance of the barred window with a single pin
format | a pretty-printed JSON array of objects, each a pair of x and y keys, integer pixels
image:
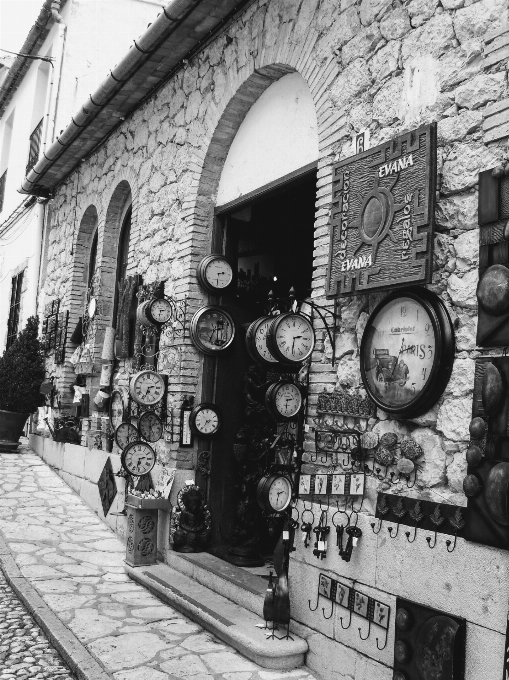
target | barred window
[{"x": 13, "y": 323}]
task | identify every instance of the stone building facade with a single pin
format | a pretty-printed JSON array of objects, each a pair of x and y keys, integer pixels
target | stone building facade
[{"x": 381, "y": 65}]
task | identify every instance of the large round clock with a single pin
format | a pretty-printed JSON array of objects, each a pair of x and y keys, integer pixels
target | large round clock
[
  {"x": 212, "y": 330},
  {"x": 407, "y": 352},
  {"x": 147, "y": 388},
  {"x": 214, "y": 273},
  {"x": 283, "y": 400},
  {"x": 274, "y": 493},
  {"x": 256, "y": 341},
  {"x": 205, "y": 420},
  {"x": 138, "y": 458},
  {"x": 291, "y": 338}
]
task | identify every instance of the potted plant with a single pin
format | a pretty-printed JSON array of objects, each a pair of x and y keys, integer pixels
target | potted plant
[{"x": 21, "y": 374}]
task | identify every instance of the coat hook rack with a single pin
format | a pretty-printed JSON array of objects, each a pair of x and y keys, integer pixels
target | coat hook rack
[{"x": 417, "y": 516}]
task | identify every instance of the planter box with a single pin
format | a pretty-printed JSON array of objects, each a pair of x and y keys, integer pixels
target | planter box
[
  {"x": 148, "y": 503},
  {"x": 141, "y": 539}
]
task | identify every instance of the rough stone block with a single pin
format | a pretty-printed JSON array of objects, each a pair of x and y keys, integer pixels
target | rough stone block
[
  {"x": 74, "y": 459},
  {"x": 484, "y": 88},
  {"x": 479, "y": 18}
]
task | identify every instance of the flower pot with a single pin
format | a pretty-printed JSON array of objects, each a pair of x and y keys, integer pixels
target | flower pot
[{"x": 11, "y": 429}]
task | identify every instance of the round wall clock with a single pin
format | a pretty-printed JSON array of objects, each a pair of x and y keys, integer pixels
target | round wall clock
[
  {"x": 212, "y": 330},
  {"x": 291, "y": 338},
  {"x": 160, "y": 310},
  {"x": 138, "y": 458},
  {"x": 274, "y": 493},
  {"x": 147, "y": 388},
  {"x": 150, "y": 426},
  {"x": 205, "y": 420},
  {"x": 125, "y": 434},
  {"x": 256, "y": 341},
  {"x": 283, "y": 400},
  {"x": 214, "y": 273},
  {"x": 118, "y": 406},
  {"x": 407, "y": 352},
  {"x": 142, "y": 314}
]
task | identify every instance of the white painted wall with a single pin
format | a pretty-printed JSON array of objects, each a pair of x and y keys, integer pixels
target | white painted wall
[{"x": 278, "y": 135}]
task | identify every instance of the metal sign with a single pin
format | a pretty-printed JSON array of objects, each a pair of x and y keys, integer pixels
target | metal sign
[{"x": 383, "y": 202}]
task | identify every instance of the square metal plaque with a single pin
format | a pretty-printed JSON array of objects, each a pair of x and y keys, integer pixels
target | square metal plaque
[{"x": 383, "y": 204}]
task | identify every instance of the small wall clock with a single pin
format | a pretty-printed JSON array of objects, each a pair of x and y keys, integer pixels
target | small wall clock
[
  {"x": 147, "y": 388},
  {"x": 160, "y": 310},
  {"x": 291, "y": 338},
  {"x": 283, "y": 400},
  {"x": 214, "y": 273},
  {"x": 205, "y": 420},
  {"x": 150, "y": 426},
  {"x": 118, "y": 406},
  {"x": 256, "y": 341},
  {"x": 125, "y": 434},
  {"x": 212, "y": 330},
  {"x": 274, "y": 493},
  {"x": 407, "y": 352},
  {"x": 138, "y": 458}
]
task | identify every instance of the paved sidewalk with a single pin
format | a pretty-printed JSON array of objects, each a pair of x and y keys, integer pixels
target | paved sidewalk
[{"x": 75, "y": 563}]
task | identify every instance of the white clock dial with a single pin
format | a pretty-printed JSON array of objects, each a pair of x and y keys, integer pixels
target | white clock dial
[
  {"x": 150, "y": 426},
  {"x": 125, "y": 434},
  {"x": 139, "y": 458},
  {"x": 147, "y": 388},
  {"x": 207, "y": 421},
  {"x": 219, "y": 273},
  {"x": 288, "y": 400},
  {"x": 260, "y": 340},
  {"x": 160, "y": 310},
  {"x": 280, "y": 494},
  {"x": 292, "y": 337}
]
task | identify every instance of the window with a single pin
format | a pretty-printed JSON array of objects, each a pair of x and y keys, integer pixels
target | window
[
  {"x": 13, "y": 323},
  {"x": 93, "y": 259},
  {"x": 35, "y": 145},
  {"x": 2, "y": 190}
]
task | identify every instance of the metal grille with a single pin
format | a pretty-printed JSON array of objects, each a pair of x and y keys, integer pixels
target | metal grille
[
  {"x": 12, "y": 325},
  {"x": 35, "y": 144},
  {"x": 2, "y": 190}
]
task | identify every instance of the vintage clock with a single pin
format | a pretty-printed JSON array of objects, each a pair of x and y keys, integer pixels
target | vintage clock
[
  {"x": 212, "y": 330},
  {"x": 150, "y": 426},
  {"x": 125, "y": 434},
  {"x": 205, "y": 420},
  {"x": 274, "y": 493},
  {"x": 291, "y": 338},
  {"x": 147, "y": 388},
  {"x": 118, "y": 406},
  {"x": 214, "y": 273},
  {"x": 256, "y": 341},
  {"x": 407, "y": 352},
  {"x": 283, "y": 400},
  {"x": 160, "y": 310},
  {"x": 138, "y": 458}
]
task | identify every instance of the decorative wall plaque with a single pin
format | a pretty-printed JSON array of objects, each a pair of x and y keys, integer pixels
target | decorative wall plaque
[{"x": 383, "y": 203}]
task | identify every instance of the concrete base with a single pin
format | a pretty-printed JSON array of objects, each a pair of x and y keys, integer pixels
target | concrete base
[{"x": 227, "y": 620}]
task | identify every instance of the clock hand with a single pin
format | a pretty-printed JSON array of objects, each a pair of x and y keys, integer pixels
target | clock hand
[{"x": 214, "y": 330}]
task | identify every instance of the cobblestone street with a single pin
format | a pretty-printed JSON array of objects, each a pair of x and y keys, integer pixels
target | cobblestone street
[
  {"x": 25, "y": 651},
  {"x": 75, "y": 563}
]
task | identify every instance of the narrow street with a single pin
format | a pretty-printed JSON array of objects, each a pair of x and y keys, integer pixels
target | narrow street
[{"x": 75, "y": 563}]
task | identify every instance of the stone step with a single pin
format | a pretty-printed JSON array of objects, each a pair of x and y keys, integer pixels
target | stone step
[
  {"x": 227, "y": 620},
  {"x": 232, "y": 582}
]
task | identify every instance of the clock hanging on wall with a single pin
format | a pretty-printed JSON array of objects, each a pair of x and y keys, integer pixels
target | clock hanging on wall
[
  {"x": 205, "y": 420},
  {"x": 118, "y": 406},
  {"x": 138, "y": 458},
  {"x": 147, "y": 388},
  {"x": 125, "y": 434},
  {"x": 274, "y": 493},
  {"x": 212, "y": 330},
  {"x": 214, "y": 273},
  {"x": 256, "y": 341},
  {"x": 283, "y": 400},
  {"x": 407, "y": 352},
  {"x": 150, "y": 426},
  {"x": 291, "y": 338}
]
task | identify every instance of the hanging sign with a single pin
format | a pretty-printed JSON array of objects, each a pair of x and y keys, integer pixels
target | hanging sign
[{"x": 383, "y": 202}]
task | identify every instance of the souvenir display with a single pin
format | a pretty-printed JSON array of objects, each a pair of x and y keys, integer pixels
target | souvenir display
[
  {"x": 256, "y": 341},
  {"x": 274, "y": 492},
  {"x": 138, "y": 458},
  {"x": 332, "y": 484},
  {"x": 283, "y": 400},
  {"x": 407, "y": 352},
  {"x": 212, "y": 330},
  {"x": 205, "y": 420},
  {"x": 150, "y": 426},
  {"x": 214, "y": 273},
  {"x": 147, "y": 388},
  {"x": 291, "y": 338},
  {"x": 382, "y": 215},
  {"x": 125, "y": 434}
]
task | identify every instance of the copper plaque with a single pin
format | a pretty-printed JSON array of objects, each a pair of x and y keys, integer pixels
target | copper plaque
[{"x": 383, "y": 204}]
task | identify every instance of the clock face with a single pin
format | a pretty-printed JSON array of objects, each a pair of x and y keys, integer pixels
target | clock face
[
  {"x": 125, "y": 434},
  {"x": 160, "y": 310},
  {"x": 147, "y": 388},
  {"x": 212, "y": 330},
  {"x": 150, "y": 426},
  {"x": 218, "y": 273},
  {"x": 116, "y": 409},
  {"x": 260, "y": 340},
  {"x": 280, "y": 494},
  {"x": 287, "y": 400},
  {"x": 206, "y": 421},
  {"x": 399, "y": 352},
  {"x": 138, "y": 458},
  {"x": 291, "y": 338}
]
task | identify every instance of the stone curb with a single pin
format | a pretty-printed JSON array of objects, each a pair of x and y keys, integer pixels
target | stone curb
[{"x": 77, "y": 657}]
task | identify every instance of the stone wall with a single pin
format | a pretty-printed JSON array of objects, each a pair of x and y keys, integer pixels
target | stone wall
[{"x": 387, "y": 66}]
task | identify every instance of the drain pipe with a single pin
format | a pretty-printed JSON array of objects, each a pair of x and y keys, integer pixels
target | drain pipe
[{"x": 56, "y": 76}]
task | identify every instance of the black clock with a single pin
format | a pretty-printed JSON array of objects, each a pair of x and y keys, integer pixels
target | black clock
[
  {"x": 291, "y": 338},
  {"x": 138, "y": 458},
  {"x": 212, "y": 330},
  {"x": 256, "y": 341},
  {"x": 407, "y": 352},
  {"x": 205, "y": 420},
  {"x": 283, "y": 400},
  {"x": 214, "y": 273}
]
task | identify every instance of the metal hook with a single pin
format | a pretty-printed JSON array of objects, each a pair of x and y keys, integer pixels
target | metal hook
[
  {"x": 313, "y": 460},
  {"x": 328, "y": 504},
  {"x": 331, "y": 611},
  {"x": 386, "y": 638},
  {"x": 324, "y": 460},
  {"x": 369, "y": 631},
  {"x": 294, "y": 507},
  {"x": 448, "y": 543},
  {"x": 408, "y": 478},
  {"x": 391, "y": 529},
  {"x": 428, "y": 540},
  {"x": 407, "y": 534},
  {"x": 380, "y": 522},
  {"x": 349, "y": 621},
  {"x": 317, "y": 600}
]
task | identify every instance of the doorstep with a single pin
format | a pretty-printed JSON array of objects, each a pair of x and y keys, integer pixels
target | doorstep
[{"x": 234, "y": 624}]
